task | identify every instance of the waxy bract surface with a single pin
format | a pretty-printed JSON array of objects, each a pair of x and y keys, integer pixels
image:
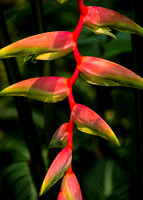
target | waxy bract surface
[
  {"x": 47, "y": 89},
  {"x": 44, "y": 46},
  {"x": 70, "y": 189},
  {"x": 102, "y": 20},
  {"x": 57, "y": 169},
  {"x": 99, "y": 71},
  {"x": 60, "y": 137},
  {"x": 89, "y": 122}
]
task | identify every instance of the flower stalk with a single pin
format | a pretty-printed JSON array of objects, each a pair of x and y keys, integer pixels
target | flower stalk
[
  {"x": 70, "y": 135},
  {"x": 81, "y": 7},
  {"x": 71, "y": 99},
  {"x": 78, "y": 28},
  {"x": 73, "y": 78}
]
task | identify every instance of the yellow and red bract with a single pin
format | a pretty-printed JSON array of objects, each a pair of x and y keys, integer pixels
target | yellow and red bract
[
  {"x": 44, "y": 46},
  {"x": 57, "y": 169},
  {"x": 99, "y": 71},
  {"x": 70, "y": 189},
  {"x": 46, "y": 89},
  {"x": 60, "y": 137},
  {"x": 102, "y": 20},
  {"x": 90, "y": 122}
]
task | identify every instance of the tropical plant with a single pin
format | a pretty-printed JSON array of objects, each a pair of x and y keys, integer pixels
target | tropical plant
[{"x": 51, "y": 89}]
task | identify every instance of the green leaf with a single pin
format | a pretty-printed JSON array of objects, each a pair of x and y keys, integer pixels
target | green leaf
[
  {"x": 20, "y": 180},
  {"x": 113, "y": 48},
  {"x": 105, "y": 179},
  {"x": 16, "y": 176}
]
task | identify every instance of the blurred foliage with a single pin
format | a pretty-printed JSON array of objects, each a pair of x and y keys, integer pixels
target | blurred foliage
[{"x": 103, "y": 170}]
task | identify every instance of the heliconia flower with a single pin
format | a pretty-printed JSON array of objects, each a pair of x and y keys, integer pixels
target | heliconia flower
[
  {"x": 46, "y": 89},
  {"x": 60, "y": 137},
  {"x": 70, "y": 189},
  {"x": 102, "y": 20},
  {"x": 57, "y": 169},
  {"x": 99, "y": 71},
  {"x": 44, "y": 46},
  {"x": 90, "y": 122}
]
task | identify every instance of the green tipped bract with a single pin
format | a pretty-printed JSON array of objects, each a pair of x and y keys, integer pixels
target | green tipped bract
[
  {"x": 99, "y": 71},
  {"x": 103, "y": 20},
  {"x": 46, "y": 89},
  {"x": 60, "y": 137},
  {"x": 90, "y": 122},
  {"x": 70, "y": 189},
  {"x": 57, "y": 169},
  {"x": 44, "y": 46}
]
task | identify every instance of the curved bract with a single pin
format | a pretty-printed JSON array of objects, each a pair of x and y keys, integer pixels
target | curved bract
[
  {"x": 70, "y": 188},
  {"x": 46, "y": 89},
  {"x": 44, "y": 46},
  {"x": 102, "y": 20},
  {"x": 57, "y": 169},
  {"x": 60, "y": 137},
  {"x": 90, "y": 122},
  {"x": 99, "y": 71}
]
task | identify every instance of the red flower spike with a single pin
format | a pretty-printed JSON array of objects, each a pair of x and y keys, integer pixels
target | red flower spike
[
  {"x": 59, "y": 166},
  {"x": 44, "y": 46},
  {"x": 47, "y": 89},
  {"x": 60, "y": 137},
  {"x": 70, "y": 188},
  {"x": 102, "y": 20},
  {"x": 99, "y": 71},
  {"x": 89, "y": 122}
]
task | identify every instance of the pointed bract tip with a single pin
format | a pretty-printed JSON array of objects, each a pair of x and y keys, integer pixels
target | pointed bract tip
[
  {"x": 60, "y": 137},
  {"x": 90, "y": 122},
  {"x": 41, "y": 46},
  {"x": 57, "y": 169},
  {"x": 70, "y": 188},
  {"x": 102, "y": 20}
]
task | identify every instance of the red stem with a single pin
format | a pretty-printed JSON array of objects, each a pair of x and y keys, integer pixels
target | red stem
[
  {"x": 78, "y": 29},
  {"x": 70, "y": 170},
  {"x": 77, "y": 55},
  {"x": 73, "y": 78},
  {"x": 78, "y": 59},
  {"x": 81, "y": 7},
  {"x": 71, "y": 99},
  {"x": 70, "y": 135}
]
